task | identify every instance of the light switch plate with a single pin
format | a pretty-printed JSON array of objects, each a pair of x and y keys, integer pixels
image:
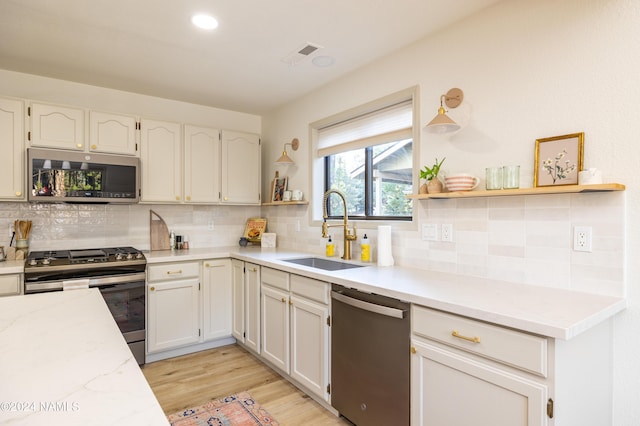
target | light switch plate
[{"x": 429, "y": 232}]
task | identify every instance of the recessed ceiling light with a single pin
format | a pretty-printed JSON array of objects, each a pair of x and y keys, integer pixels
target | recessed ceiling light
[
  {"x": 206, "y": 22},
  {"x": 323, "y": 61}
]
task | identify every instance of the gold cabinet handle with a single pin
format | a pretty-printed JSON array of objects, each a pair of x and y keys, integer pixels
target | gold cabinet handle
[
  {"x": 152, "y": 288},
  {"x": 254, "y": 269},
  {"x": 474, "y": 339},
  {"x": 413, "y": 350},
  {"x": 179, "y": 271}
]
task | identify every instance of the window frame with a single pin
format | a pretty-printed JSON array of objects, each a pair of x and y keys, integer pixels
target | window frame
[{"x": 318, "y": 177}]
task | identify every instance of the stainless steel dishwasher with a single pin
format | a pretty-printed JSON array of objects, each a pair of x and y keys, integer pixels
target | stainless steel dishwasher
[{"x": 370, "y": 357}]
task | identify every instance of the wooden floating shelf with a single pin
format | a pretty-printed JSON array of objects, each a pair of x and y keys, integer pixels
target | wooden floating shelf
[
  {"x": 560, "y": 189},
  {"x": 286, "y": 203}
]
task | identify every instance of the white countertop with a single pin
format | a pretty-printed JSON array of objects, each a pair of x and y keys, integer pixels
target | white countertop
[
  {"x": 551, "y": 312},
  {"x": 63, "y": 360}
]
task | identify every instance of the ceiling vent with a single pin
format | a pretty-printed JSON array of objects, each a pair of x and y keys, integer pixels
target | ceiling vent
[{"x": 301, "y": 53}]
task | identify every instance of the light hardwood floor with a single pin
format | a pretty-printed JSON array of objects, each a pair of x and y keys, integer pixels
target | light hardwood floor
[{"x": 194, "y": 379}]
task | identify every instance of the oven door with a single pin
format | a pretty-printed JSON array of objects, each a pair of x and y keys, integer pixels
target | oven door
[{"x": 127, "y": 305}]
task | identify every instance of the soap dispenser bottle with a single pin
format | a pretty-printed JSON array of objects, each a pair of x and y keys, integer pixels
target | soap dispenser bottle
[
  {"x": 330, "y": 248},
  {"x": 365, "y": 249}
]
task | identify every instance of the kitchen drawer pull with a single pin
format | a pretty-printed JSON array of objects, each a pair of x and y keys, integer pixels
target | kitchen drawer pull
[
  {"x": 474, "y": 339},
  {"x": 179, "y": 271}
]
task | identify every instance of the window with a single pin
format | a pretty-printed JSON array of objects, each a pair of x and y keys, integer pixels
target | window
[{"x": 368, "y": 156}]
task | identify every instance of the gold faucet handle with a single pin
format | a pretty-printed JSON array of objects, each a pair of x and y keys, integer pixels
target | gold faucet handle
[{"x": 325, "y": 229}]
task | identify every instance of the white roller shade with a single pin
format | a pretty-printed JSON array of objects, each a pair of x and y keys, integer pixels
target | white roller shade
[{"x": 388, "y": 124}]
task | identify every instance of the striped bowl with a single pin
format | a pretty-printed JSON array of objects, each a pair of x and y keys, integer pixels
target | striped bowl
[{"x": 461, "y": 182}]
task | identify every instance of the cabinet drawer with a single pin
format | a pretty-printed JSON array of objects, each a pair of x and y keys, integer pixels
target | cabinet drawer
[
  {"x": 9, "y": 285},
  {"x": 172, "y": 271},
  {"x": 275, "y": 278},
  {"x": 310, "y": 288},
  {"x": 512, "y": 347}
]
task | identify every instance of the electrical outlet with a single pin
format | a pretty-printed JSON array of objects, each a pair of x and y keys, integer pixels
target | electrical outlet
[
  {"x": 582, "y": 238},
  {"x": 430, "y": 232},
  {"x": 446, "y": 233}
]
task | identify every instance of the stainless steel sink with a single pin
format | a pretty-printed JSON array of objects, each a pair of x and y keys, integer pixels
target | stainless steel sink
[{"x": 325, "y": 264}]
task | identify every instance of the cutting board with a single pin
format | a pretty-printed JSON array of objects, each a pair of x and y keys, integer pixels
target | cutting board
[{"x": 159, "y": 232}]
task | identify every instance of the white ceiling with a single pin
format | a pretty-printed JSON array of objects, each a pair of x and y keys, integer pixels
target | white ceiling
[{"x": 150, "y": 46}]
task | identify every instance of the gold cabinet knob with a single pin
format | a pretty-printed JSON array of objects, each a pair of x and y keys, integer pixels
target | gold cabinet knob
[
  {"x": 291, "y": 302},
  {"x": 206, "y": 265},
  {"x": 18, "y": 194},
  {"x": 413, "y": 349},
  {"x": 177, "y": 198},
  {"x": 152, "y": 288},
  {"x": 283, "y": 300},
  {"x": 225, "y": 198},
  {"x": 78, "y": 145},
  {"x": 94, "y": 146},
  {"x": 188, "y": 197}
]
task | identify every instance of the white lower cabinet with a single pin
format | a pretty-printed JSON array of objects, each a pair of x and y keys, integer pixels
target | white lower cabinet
[
  {"x": 216, "y": 299},
  {"x": 189, "y": 304},
  {"x": 173, "y": 306},
  {"x": 467, "y": 372},
  {"x": 295, "y": 330},
  {"x": 10, "y": 284},
  {"x": 246, "y": 304}
]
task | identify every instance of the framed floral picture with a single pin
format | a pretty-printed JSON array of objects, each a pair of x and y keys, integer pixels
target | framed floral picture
[{"x": 558, "y": 160}]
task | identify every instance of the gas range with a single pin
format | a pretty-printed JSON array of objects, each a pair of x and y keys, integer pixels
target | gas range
[{"x": 47, "y": 270}]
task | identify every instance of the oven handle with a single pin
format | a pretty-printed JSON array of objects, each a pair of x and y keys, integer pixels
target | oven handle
[
  {"x": 99, "y": 282},
  {"x": 116, "y": 279}
]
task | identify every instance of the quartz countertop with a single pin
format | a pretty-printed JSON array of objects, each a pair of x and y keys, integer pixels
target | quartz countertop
[
  {"x": 552, "y": 312},
  {"x": 64, "y": 361}
]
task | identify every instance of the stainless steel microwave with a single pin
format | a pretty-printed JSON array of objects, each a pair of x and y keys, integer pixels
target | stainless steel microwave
[{"x": 80, "y": 177}]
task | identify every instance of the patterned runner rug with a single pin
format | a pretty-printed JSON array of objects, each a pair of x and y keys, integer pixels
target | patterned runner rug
[{"x": 235, "y": 410}]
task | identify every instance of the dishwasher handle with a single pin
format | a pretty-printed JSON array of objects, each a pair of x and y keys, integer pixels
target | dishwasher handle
[{"x": 367, "y": 306}]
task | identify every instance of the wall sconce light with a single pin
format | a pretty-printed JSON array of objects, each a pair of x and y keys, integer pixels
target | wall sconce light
[
  {"x": 284, "y": 158},
  {"x": 442, "y": 123}
]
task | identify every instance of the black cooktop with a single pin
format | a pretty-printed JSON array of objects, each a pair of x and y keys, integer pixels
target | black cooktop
[{"x": 83, "y": 256}]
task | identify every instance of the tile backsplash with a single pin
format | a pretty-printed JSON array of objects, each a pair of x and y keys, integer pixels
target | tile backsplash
[
  {"x": 521, "y": 239},
  {"x": 63, "y": 226}
]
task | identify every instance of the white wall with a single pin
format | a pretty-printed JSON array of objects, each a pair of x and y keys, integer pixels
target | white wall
[{"x": 529, "y": 70}]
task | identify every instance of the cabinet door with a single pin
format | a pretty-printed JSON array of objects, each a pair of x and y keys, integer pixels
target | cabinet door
[
  {"x": 240, "y": 168},
  {"x": 173, "y": 314},
  {"x": 12, "y": 160},
  {"x": 237, "y": 300},
  {"x": 310, "y": 344},
  {"x": 10, "y": 284},
  {"x": 451, "y": 389},
  {"x": 275, "y": 327},
  {"x": 56, "y": 126},
  {"x": 112, "y": 133},
  {"x": 216, "y": 298},
  {"x": 252, "y": 307},
  {"x": 161, "y": 161},
  {"x": 201, "y": 164}
]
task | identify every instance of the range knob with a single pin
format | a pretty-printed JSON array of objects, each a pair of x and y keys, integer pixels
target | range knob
[
  {"x": 119, "y": 256},
  {"x": 46, "y": 261},
  {"x": 33, "y": 262},
  {"x": 138, "y": 255},
  {"x": 129, "y": 256}
]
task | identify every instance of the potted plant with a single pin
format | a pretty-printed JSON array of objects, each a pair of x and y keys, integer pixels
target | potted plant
[{"x": 430, "y": 174}]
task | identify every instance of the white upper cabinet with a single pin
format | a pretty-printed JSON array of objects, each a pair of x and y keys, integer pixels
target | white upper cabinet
[
  {"x": 12, "y": 148},
  {"x": 201, "y": 164},
  {"x": 161, "y": 161},
  {"x": 112, "y": 133},
  {"x": 240, "y": 168},
  {"x": 55, "y": 126}
]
